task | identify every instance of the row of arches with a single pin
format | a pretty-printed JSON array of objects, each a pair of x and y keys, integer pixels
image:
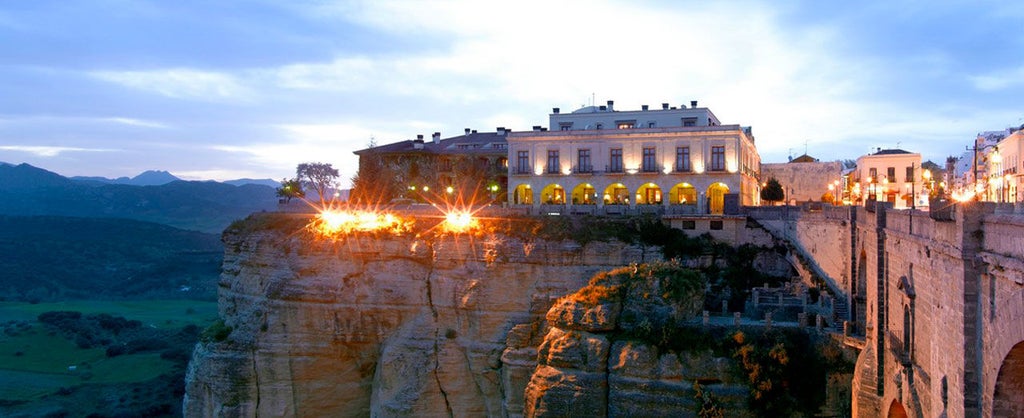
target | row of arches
[{"x": 619, "y": 194}]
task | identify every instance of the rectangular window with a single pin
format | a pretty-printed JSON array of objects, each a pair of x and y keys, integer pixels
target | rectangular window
[
  {"x": 650, "y": 163},
  {"x": 650, "y": 124},
  {"x": 683, "y": 159},
  {"x": 910, "y": 174},
  {"x": 523, "y": 162},
  {"x": 890, "y": 173},
  {"x": 553, "y": 165},
  {"x": 626, "y": 124},
  {"x": 718, "y": 158},
  {"x": 873, "y": 174},
  {"x": 716, "y": 225},
  {"x": 689, "y": 225},
  {"x": 583, "y": 161},
  {"x": 689, "y": 121},
  {"x": 615, "y": 161}
]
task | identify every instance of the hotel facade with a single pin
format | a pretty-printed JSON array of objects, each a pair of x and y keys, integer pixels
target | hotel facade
[{"x": 681, "y": 159}]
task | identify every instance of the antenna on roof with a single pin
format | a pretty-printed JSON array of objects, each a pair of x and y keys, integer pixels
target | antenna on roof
[
  {"x": 898, "y": 144},
  {"x": 805, "y": 147}
]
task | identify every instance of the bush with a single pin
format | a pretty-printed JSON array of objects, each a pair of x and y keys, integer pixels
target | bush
[{"x": 216, "y": 332}]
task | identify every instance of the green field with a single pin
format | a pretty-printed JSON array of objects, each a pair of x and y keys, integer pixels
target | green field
[{"x": 36, "y": 361}]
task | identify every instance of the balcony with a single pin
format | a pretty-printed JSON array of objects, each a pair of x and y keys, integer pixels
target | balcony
[
  {"x": 522, "y": 171},
  {"x": 583, "y": 169},
  {"x": 614, "y": 169}
]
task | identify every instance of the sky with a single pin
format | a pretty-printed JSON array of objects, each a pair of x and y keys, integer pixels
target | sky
[{"x": 249, "y": 89}]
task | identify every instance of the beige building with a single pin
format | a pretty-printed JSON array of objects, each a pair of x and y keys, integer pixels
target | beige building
[
  {"x": 1005, "y": 170},
  {"x": 890, "y": 175},
  {"x": 680, "y": 159},
  {"x": 805, "y": 179}
]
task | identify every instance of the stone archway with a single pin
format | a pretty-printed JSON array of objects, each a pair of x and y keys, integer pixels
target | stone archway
[
  {"x": 1008, "y": 399},
  {"x": 522, "y": 195},
  {"x": 896, "y": 410},
  {"x": 616, "y": 194},
  {"x": 553, "y": 194},
  {"x": 716, "y": 198},
  {"x": 683, "y": 194},
  {"x": 860, "y": 294},
  {"x": 584, "y": 194},
  {"x": 648, "y": 194}
]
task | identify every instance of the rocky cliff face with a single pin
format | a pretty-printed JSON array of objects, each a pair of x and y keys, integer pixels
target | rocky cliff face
[
  {"x": 391, "y": 326},
  {"x": 606, "y": 353}
]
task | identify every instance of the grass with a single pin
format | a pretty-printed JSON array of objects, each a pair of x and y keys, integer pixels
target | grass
[{"x": 35, "y": 362}]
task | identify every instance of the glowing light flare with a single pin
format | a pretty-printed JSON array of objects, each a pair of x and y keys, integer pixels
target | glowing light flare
[
  {"x": 459, "y": 221},
  {"x": 332, "y": 222}
]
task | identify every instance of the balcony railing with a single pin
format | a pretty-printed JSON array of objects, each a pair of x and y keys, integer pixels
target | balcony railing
[
  {"x": 522, "y": 171},
  {"x": 583, "y": 169},
  {"x": 614, "y": 169}
]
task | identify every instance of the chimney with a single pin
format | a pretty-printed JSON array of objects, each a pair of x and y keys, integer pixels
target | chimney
[
  {"x": 436, "y": 137},
  {"x": 693, "y": 103},
  {"x": 419, "y": 137},
  {"x": 664, "y": 106},
  {"x": 474, "y": 131},
  {"x": 602, "y": 108},
  {"x": 467, "y": 131},
  {"x": 501, "y": 130},
  {"x": 611, "y": 105},
  {"x": 536, "y": 128},
  {"x": 643, "y": 107},
  {"x": 555, "y": 110}
]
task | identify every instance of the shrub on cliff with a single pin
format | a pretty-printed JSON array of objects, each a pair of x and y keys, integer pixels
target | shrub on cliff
[{"x": 653, "y": 299}]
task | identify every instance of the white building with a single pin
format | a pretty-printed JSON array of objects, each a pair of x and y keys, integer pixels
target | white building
[
  {"x": 681, "y": 158},
  {"x": 891, "y": 175}
]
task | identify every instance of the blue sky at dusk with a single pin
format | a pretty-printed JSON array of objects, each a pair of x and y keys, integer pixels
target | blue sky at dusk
[{"x": 222, "y": 90}]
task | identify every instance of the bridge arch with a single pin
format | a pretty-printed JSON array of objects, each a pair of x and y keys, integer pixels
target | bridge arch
[
  {"x": 896, "y": 410},
  {"x": 1008, "y": 399}
]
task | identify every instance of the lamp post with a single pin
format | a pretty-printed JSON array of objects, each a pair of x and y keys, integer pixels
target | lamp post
[{"x": 913, "y": 187}]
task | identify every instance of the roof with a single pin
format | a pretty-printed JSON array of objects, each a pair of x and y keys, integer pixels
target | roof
[
  {"x": 891, "y": 152},
  {"x": 471, "y": 143},
  {"x": 804, "y": 159}
]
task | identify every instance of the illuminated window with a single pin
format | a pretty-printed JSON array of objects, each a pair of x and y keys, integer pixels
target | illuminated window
[
  {"x": 682, "y": 158},
  {"x": 615, "y": 160},
  {"x": 718, "y": 158},
  {"x": 553, "y": 165},
  {"x": 910, "y": 174},
  {"x": 873, "y": 174},
  {"x": 649, "y": 162},
  {"x": 626, "y": 124}
]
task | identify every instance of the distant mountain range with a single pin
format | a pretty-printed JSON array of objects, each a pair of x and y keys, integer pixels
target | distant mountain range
[
  {"x": 159, "y": 177},
  {"x": 153, "y": 196}
]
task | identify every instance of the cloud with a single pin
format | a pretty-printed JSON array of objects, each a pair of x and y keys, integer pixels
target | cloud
[
  {"x": 183, "y": 83},
  {"x": 999, "y": 80},
  {"x": 50, "y": 151},
  {"x": 136, "y": 122}
]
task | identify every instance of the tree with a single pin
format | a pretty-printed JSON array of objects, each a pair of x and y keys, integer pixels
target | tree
[
  {"x": 375, "y": 182},
  {"x": 290, "y": 188},
  {"x": 317, "y": 176},
  {"x": 772, "y": 191}
]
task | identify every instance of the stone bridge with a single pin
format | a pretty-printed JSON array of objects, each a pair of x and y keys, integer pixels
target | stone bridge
[{"x": 938, "y": 298}]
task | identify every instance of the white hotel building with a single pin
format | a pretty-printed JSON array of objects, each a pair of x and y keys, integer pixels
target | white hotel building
[{"x": 679, "y": 158}]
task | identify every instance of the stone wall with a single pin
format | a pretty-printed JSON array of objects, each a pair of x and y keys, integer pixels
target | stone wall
[
  {"x": 803, "y": 182},
  {"x": 943, "y": 304}
]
